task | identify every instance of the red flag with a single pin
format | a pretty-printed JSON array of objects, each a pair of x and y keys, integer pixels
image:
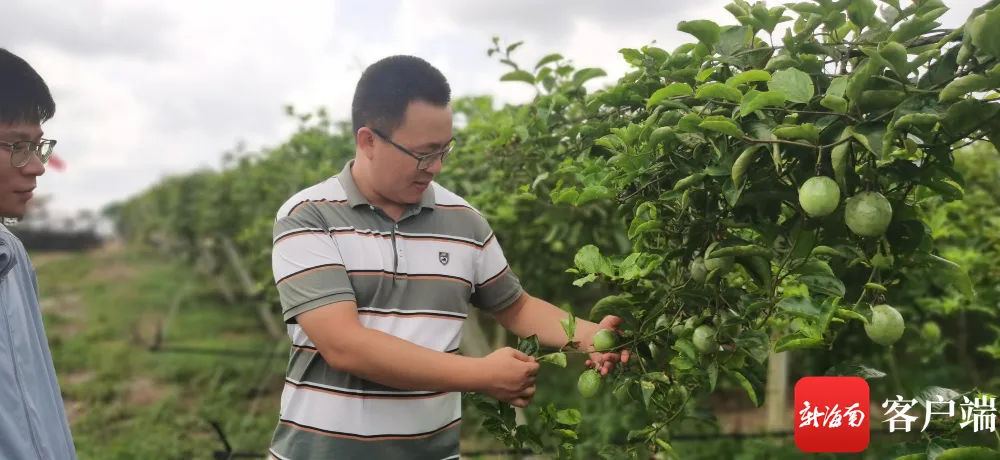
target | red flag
[{"x": 56, "y": 163}]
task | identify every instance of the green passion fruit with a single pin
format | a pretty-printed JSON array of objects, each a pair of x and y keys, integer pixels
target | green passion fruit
[
  {"x": 886, "y": 326},
  {"x": 867, "y": 214},
  {"x": 819, "y": 196},
  {"x": 589, "y": 383},
  {"x": 604, "y": 340}
]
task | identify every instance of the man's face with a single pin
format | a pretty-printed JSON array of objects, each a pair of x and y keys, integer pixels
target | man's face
[
  {"x": 17, "y": 184},
  {"x": 426, "y": 129}
]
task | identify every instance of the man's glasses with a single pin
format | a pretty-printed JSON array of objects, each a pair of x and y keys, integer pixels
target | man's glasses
[
  {"x": 21, "y": 152},
  {"x": 425, "y": 160}
]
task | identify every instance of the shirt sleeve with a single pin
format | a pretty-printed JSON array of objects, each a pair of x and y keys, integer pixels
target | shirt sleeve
[
  {"x": 496, "y": 285},
  {"x": 308, "y": 268}
]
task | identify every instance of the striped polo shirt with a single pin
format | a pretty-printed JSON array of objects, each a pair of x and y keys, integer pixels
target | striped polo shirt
[{"x": 414, "y": 278}]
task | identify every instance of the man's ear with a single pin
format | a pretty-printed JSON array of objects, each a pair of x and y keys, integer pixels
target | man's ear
[{"x": 366, "y": 142}]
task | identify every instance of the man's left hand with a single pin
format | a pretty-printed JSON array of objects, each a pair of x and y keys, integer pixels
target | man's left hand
[{"x": 607, "y": 361}]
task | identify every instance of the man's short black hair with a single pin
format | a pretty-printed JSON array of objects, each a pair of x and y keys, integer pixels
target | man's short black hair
[
  {"x": 388, "y": 86},
  {"x": 24, "y": 96}
]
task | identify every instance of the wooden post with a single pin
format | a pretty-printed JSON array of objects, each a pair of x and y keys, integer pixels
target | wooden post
[
  {"x": 263, "y": 309},
  {"x": 777, "y": 391}
]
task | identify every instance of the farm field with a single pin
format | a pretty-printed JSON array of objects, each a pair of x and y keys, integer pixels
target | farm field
[{"x": 757, "y": 208}]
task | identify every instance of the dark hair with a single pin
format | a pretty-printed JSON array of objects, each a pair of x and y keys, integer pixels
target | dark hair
[
  {"x": 24, "y": 96},
  {"x": 388, "y": 86}
]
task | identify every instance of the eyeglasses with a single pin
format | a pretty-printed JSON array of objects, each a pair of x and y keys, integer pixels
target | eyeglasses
[
  {"x": 21, "y": 152},
  {"x": 424, "y": 161}
]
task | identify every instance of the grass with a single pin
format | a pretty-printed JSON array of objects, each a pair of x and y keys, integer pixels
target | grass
[{"x": 124, "y": 401}]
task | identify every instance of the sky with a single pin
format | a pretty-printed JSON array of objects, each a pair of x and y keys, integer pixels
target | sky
[{"x": 148, "y": 89}]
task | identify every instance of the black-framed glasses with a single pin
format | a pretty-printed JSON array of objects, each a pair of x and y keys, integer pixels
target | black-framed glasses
[
  {"x": 21, "y": 152},
  {"x": 425, "y": 160}
]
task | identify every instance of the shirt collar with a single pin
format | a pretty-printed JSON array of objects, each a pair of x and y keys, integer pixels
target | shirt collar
[{"x": 355, "y": 198}]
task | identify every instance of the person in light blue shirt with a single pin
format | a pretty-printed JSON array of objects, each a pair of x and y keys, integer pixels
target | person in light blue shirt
[{"x": 33, "y": 423}]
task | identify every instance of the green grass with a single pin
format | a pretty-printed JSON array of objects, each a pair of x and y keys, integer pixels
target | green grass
[{"x": 127, "y": 402}]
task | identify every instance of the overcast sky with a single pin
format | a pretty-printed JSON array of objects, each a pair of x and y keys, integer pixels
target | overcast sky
[{"x": 145, "y": 89}]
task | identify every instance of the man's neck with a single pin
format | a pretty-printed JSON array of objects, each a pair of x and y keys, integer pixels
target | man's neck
[{"x": 360, "y": 174}]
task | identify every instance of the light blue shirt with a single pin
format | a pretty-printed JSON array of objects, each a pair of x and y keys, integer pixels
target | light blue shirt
[{"x": 33, "y": 424}]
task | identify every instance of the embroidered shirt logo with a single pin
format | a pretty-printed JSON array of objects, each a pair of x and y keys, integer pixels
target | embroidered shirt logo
[{"x": 443, "y": 257}]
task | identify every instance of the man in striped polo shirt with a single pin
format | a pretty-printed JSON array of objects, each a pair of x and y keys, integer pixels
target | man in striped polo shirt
[{"x": 376, "y": 269}]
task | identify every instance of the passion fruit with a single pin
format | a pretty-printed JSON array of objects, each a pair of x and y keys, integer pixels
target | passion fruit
[
  {"x": 699, "y": 271},
  {"x": 704, "y": 339},
  {"x": 886, "y": 325},
  {"x": 589, "y": 383},
  {"x": 868, "y": 214},
  {"x": 931, "y": 331},
  {"x": 724, "y": 264},
  {"x": 819, "y": 196},
  {"x": 604, "y": 340}
]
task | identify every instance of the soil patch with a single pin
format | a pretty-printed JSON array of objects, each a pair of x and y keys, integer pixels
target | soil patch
[{"x": 144, "y": 391}]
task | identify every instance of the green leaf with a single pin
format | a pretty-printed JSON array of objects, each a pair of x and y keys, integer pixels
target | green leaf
[
  {"x": 569, "y": 326},
  {"x": 548, "y": 59},
  {"x": 824, "y": 284},
  {"x": 519, "y": 75},
  {"x": 844, "y": 313},
  {"x": 755, "y": 100},
  {"x": 834, "y": 103},
  {"x": 969, "y": 453},
  {"x": 800, "y": 306},
  {"x": 589, "y": 260},
  {"x": 579, "y": 282},
  {"x": 797, "y": 341},
  {"x": 754, "y": 343},
  {"x": 583, "y": 75},
  {"x": 796, "y": 84},
  {"x": 647, "y": 391},
  {"x": 749, "y": 76},
  {"x": 528, "y": 345},
  {"x": 912, "y": 28},
  {"x": 753, "y": 386},
  {"x": 964, "y": 117},
  {"x": 687, "y": 347},
  {"x": 566, "y": 195},
  {"x": 862, "y": 13},
  {"x": 954, "y": 274},
  {"x": 722, "y": 125},
  {"x": 713, "y": 375},
  {"x": 839, "y": 158},
  {"x": 987, "y": 33},
  {"x": 594, "y": 193},
  {"x": 707, "y": 32},
  {"x": 838, "y": 86},
  {"x": 853, "y": 369},
  {"x": 558, "y": 358},
  {"x": 568, "y": 434},
  {"x": 807, "y": 132},
  {"x": 871, "y": 136},
  {"x": 718, "y": 90},
  {"x": 964, "y": 85},
  {"x": 569, "y": 417},
  {"x": 932, "y": 393},
  {"x": 669, "y": 91}
]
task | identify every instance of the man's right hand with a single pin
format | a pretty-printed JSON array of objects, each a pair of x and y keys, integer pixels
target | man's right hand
[{"x": 509, "y": 376}]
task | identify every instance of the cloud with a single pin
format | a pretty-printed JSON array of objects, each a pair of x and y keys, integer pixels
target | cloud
[
  {"x": 148, "y": 89},
  {"x": 87, "y": 28}
]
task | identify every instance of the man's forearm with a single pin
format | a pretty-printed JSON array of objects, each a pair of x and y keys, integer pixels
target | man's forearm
[
  {"x": 398, "y": 363},
  {"x": 530, "y": 315}
]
